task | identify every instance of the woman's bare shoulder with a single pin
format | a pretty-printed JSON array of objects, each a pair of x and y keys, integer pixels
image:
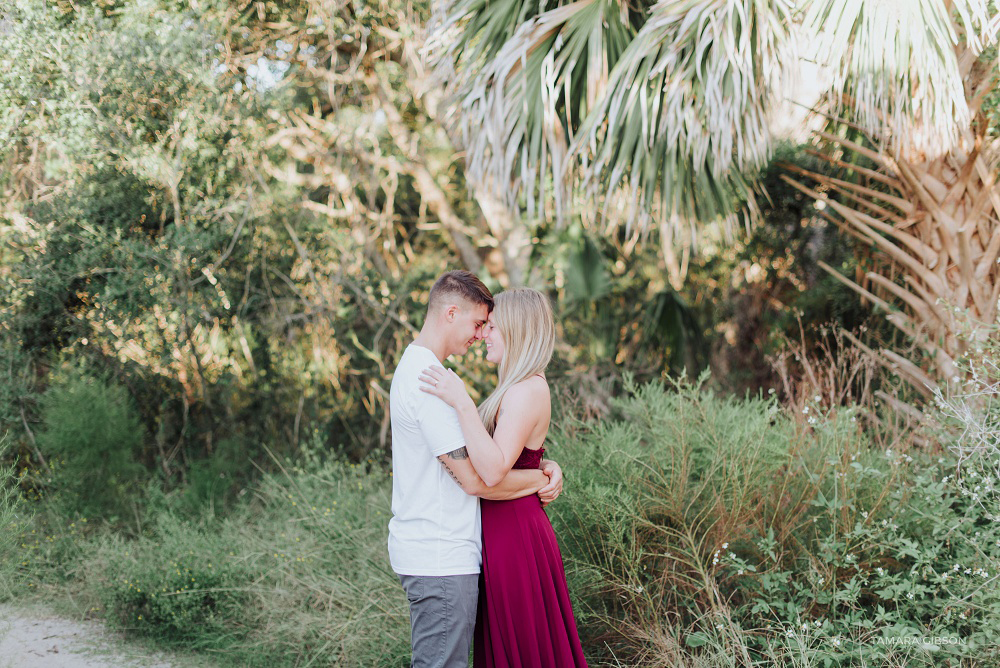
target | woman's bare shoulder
[{"x": 529, "y": 392}]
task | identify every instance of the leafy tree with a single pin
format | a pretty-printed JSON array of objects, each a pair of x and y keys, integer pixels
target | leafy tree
[{"x": 659, "y": 112}]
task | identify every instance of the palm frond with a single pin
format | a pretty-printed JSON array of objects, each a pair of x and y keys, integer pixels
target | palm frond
[
  {"x": 664, "y": 113},
  {"x": 686, "y": 112},
  {"x": 522, "y": 94},
  {"x": 895, "y": 65},
  {"x": 934, "y": 222}
]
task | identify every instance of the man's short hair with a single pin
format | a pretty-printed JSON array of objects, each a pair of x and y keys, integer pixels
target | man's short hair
[{"x": 463, "y": 284}]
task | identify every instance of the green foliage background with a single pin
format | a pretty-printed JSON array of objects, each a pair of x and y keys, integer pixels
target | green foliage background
[
  {"x": 212, "y": 209},
  {"x": 218, "y": 225},
  {"x": 697, "y": 529}
]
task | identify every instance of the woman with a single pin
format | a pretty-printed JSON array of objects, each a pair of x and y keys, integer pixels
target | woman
[{"x": 525, "y": 618}]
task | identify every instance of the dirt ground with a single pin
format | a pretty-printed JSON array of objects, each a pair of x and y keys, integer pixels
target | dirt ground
[{"x": 33, "y": 638}]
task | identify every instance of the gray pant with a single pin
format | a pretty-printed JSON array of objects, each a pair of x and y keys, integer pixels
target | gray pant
[{"x": 442, "y": 618}]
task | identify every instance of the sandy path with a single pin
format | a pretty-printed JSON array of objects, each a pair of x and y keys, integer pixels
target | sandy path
[{"x": 32, "y": 638}]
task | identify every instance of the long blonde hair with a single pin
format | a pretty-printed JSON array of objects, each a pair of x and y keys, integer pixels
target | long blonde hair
[{"x": 524, "y": 318}]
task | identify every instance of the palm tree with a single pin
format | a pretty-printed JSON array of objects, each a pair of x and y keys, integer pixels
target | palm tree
[{"x": 658, "y": 112}]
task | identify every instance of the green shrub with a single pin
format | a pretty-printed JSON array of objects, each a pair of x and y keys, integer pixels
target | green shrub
[
  {"x": 91, "y": 435},
  {"x": 703, "y": 528},
  {"x": 653, "y": 493},
  {"x": 186, "y": 585},
  {"x": 14, "y": 516},
  {"x": 875, "y": 575},
  {"x": 697, "y": 530},
  {"x": 969, "y": 418},
  {"x": 332, "y": 596},
  {"x": 297, "y": 574},
  {"x": 213, "y": 482}
]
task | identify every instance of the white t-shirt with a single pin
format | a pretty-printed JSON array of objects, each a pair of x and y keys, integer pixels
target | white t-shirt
[{"x": 435, "y": 528}]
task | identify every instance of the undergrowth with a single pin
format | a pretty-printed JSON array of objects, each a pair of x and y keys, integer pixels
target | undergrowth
[{"x": 697, "y": 530}]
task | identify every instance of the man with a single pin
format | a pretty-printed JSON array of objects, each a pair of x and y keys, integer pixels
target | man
[{"x": 435, "y": 545}]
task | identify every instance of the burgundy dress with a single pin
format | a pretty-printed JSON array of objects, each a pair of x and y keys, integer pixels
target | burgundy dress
[{"x": 525, "y": 619}]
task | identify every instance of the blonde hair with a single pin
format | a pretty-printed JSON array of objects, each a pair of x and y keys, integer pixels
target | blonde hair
[{"x": 524, "y": 318}]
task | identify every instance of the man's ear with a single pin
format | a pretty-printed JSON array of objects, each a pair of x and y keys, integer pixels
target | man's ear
[{"x": 451, "y": 312}]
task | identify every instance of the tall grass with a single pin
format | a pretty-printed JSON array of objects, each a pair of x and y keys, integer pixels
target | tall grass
[
  {"x": 970, "y": 414},
  {"x": 708, "y": 530},
  {"x": 297, "y": 575},
  {"x": 14, "y": 517},
  {"x": 697, "y": 529},
  {"x": 91, "y": 435}
]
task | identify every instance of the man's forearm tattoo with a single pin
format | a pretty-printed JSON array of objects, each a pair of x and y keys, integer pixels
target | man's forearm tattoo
[
  {"x": 461, "y": 453},
  {"x": 450, "y": 472}
]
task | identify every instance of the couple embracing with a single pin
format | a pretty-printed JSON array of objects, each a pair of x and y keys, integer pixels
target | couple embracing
[{"x": 469, "y": 539}]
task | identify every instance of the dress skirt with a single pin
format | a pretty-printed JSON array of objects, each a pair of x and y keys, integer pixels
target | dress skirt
[{"x": 525, "y": 619}]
